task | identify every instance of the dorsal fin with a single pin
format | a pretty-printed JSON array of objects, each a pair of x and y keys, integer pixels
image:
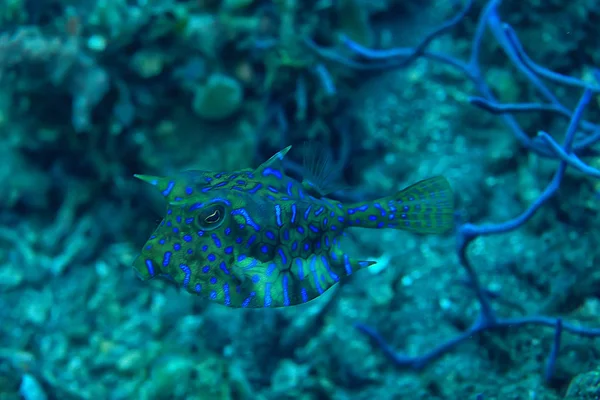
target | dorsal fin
[
  {"x": 273, "y": 166},
  {"x": 321, "y": 176}
]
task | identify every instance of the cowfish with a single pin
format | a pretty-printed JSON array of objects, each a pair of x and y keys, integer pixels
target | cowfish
[{"x": 257, "y": 238}]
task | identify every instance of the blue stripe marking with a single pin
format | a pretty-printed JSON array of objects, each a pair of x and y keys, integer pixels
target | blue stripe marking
[
  {"x": 270, "y": 235},
  {"x": 188, "y": 273},
  {"x": 220, "y": 200},
  {"x": 332, "y": 274},
  {"x": 300, "y": 266},
  {"x": 290, "y": 185},
  {"x": 255, "y": 188},
  {"x": 307, "y": 212},
  {"x": 313, "y": 269},
  {"x": 167, "y": 258},
  {"x": 286, "y": 235},
  {"x": 251, "y": 240},
  {"x": 347, "y": 265},
  {"x": 248, "y": 299},
  {"x": 282, "y": 255},
  {"x": 391, "y": 206},
  {"x": 270, "y": 269},
  {"x": 169, "y": 188},
  {"x": 187, "y": 238},
  {"x": 272, "y": 171},
  {"x": 198, "y": 288},
  {"x": 223, "y": 267},
  {"x": 319, "y": 211},
  {"x": 195, "y": 206},
  {"x": 249, "y": 221},
  {"x": 150, "y": 267},
  {"x": 272, "y": 189},
  {"x": 380, "y": 208},
  {"x": 268, "y": 298},
  {"x": 215, "y": 239},
  {"x": 189, "y": 190},
  {"x": 304, "y": 295},
  {"x": 284, "y": 288},
  {"x": 364, "y": 207},
  {"x": 227, "y": 299},
  {"x": 278, "y": 215},
  {"x": 293, "y": 219},
  {"x": 313, "y": 228}
]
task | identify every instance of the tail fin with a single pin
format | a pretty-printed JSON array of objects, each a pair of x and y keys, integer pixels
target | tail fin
[{"x": 425, "y": 207}]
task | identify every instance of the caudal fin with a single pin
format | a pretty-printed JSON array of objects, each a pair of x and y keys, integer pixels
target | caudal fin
[{"x": 425, "y": 207}]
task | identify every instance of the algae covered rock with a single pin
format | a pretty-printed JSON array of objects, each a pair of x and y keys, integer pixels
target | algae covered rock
[{"x": 219, "y": 98}]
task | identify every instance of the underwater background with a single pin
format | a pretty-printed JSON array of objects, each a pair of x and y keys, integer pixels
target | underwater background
[{"x": 500, "y": 97}]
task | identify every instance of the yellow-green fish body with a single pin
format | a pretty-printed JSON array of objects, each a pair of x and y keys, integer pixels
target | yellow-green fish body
[{"x": 257, "y": 238}]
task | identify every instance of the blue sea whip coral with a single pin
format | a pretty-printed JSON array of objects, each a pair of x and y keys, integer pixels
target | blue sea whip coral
[{"x": 568, "y": 153}]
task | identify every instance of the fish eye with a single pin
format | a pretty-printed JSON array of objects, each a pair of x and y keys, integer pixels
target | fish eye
[{"x": 211, "y": 217}]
